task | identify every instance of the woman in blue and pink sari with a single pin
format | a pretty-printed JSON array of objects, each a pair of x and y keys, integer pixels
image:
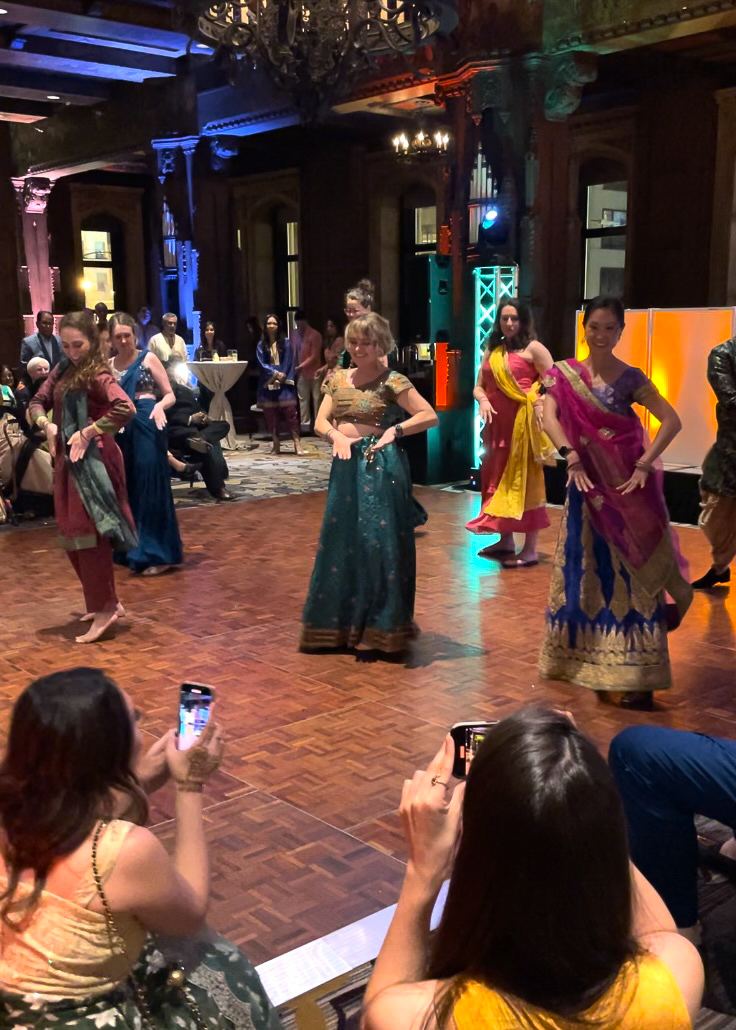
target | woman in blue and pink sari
[{"x": 617, "y": 558}]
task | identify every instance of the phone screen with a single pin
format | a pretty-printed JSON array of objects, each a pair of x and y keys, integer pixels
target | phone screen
[
  {"x": 195, "y": 701},
  {"x": 468, "y": 737}
]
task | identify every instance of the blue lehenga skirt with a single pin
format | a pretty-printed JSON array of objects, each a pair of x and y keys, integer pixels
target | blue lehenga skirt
[
  {"x": 364, "y": 578},
  {"x": 224, "y": 985},
  {"x": 602, "y": 629},
  {"x": 144, "y": 449}
]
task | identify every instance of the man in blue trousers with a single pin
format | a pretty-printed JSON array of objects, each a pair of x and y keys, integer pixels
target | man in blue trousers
[{"x": 666, "y": 777}]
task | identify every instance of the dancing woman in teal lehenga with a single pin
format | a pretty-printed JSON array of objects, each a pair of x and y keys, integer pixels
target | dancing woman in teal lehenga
[{"x": 362, "y": 589}]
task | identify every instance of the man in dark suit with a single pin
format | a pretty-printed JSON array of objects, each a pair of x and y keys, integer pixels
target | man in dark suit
[
  {"x": 196, "y": 436},
  {"x": 42, "y": 344}
]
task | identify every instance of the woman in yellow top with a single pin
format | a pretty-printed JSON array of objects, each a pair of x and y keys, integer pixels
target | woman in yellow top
[{"x": 546, "y": 925}]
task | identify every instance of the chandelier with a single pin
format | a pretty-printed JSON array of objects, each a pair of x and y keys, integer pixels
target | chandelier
[
  {"x": 421, "y": 145},
  {"x": 314, "y": 49}
]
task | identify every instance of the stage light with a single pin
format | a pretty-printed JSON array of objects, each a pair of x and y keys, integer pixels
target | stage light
[{"x": 490, "y": 217}]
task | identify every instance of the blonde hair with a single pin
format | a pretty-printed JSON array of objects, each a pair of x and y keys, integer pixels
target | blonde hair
[{"x": 374, "y": 328}]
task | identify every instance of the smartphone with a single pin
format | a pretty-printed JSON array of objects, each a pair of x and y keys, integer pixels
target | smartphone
[
  {"x": 195, "y": 702},
  {"x": 468, "y": 737}
]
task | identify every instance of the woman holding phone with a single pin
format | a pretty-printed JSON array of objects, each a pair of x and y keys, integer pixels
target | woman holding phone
[
  {"x": 87, "y": 892},
  {"x": 533, "y": 933}
]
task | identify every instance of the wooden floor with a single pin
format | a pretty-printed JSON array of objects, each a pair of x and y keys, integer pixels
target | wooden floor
[{"x": 302, "y": 817}]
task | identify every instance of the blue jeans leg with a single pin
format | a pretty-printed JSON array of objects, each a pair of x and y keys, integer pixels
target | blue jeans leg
[{"x": 666, "y": 777}]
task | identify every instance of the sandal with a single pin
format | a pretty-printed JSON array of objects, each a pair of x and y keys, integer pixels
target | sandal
[
  {"x": 501, "y": 552},
  {"x": 520, "y": 563}
]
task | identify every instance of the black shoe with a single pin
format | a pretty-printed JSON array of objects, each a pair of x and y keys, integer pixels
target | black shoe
[
  {"x": 711, "y": 579},
  {"x": 196, "y": 443},
  {"x": 710, "y": 858},
  {"x": 189, "y": 472},
  {"x": 225, "y": 495},
  {"x": 639, "y": 700}
]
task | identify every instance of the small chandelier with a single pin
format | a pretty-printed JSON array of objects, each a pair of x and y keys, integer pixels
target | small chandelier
[
  {"x": 314, "y": 49},
  {"x": 421, "y": 145}
]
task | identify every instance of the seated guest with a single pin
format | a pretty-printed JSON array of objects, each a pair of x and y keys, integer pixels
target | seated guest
[
  {"x": 7, "y": 384},
  {"x": 36, "y": 372},
  {"x": 144, "y": 327},
  {"x": 166, "y": 344},
  {"x": 210, "y": 345},
  {"x": 84, "y": 885},
  {"x": 194, "y": 434},
  {"x": 44, "y": 342},
  {"x": 664, "y": 778},
  {"x": 546, "y": 923}
]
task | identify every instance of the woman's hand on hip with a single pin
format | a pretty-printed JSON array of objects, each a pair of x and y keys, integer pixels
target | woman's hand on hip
[
  {"x": 342, "y": 446},
  {"x": 78, "y": 444},
  {"x": 430, "y": 818},
  {"x": 577, "y": 476},
  {"x": 159, "y": 416},
  {"x": 637, "y": 480}
]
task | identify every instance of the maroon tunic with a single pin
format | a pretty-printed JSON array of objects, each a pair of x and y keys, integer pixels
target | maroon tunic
[{"x": 110, "y": 407}]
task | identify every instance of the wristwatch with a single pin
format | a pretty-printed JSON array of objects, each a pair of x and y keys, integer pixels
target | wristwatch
[
  {"x": 564, "y": 451},
  {"x": 398, "y": 430}
]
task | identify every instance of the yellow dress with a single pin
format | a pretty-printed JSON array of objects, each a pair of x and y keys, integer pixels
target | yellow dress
[{"x": 652, "y": 1001}]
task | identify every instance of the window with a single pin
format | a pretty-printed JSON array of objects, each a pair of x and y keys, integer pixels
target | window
[
  {"x": 168, "y": 232},
  {"x": 604, "y": 239},
  {"x": 425, "y": 230},
  {"x": 97, "y": 269},
  {"x": 292, "y": 272}
]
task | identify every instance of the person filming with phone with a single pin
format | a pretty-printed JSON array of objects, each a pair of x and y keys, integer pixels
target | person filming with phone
[
  {"x": 98, "y": 925},
  {"x": 547, "y": 925}
]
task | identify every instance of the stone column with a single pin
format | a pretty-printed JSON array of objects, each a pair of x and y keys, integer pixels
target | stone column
[{"x": 33, "y": 195}]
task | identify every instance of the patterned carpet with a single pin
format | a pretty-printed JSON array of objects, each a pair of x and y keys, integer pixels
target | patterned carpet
[{"x": 256, "y": 474}]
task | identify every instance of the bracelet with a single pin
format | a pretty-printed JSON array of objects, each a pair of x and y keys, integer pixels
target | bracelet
[
  {"x": 329, "y": 433},
  {"x": 575, "y": 466},
  {"x": 189, "y": 786},
  {"x": 398, "y": 431},
  {"x": 42, "y": 422},
  {"x": 645, "y": 466}
]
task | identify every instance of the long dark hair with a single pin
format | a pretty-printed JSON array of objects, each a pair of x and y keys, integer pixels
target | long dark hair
[
  {"x": 539, "y": 906},
  {"x": 526, "y": 332},
  {"x": 280, "y": 334},
  {"x": 70, "y": 746},
  {"x": 78, "y": 377},
  {"x": 603, "y": 303}
]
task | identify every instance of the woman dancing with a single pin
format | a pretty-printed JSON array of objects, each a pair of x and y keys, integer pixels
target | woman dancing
[
  {"x": 512, "y": 479},
  {"x": 90, "y": 501},
  {"x": 607, "y": 620},
  {"x": 276, "y": 390},
  {"x": 362, "y": 589},
  {"x": 144, "y": 446}
]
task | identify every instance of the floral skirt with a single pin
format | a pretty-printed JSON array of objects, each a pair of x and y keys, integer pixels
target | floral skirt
[
  {"x": 222, "y": 982},
  {"x": 364, "y": 578},
  {"x": 602, "y": 629}
]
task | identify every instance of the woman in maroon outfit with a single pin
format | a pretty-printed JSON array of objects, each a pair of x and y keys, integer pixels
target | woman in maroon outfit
[{"x": 90, "y": 499}]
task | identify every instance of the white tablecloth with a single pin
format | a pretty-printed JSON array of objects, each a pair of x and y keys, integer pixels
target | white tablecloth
[{"x": 220, "y": 376}]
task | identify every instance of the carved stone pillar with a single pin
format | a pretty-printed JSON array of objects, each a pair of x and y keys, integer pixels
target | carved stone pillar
[{"x": 32, "y": 195}]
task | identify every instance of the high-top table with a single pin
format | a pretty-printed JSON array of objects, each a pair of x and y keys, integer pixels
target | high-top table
[{"x": 219, "y": 377}]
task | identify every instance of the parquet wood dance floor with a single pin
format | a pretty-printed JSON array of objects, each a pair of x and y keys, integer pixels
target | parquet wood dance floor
[{"x": 302, "y": 816}]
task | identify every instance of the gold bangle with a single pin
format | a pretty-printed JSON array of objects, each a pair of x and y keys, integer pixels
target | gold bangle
[{"x": 645, "y": 466}]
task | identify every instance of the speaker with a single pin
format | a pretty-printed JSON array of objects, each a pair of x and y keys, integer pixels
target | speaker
[{"x": 426, "y": 302}]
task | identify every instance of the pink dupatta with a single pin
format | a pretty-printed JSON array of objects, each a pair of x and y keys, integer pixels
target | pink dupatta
[{"x": 635, "y": 525}]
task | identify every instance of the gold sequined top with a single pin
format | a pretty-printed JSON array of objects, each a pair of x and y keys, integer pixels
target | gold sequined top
[
  {"x": 369, "y": 404},
  {"x": 65, "y": 952}
]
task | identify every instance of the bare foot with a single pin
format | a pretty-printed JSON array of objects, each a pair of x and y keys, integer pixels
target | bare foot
[
  {"x": 300, "y": 451},
  {"x": 275, "y": 449},
  {"x": 101, "y": 622},
  {"x": 119, "y": 611},
  {"x": 156, "y": 570},
  {"x": 496, "y": 550}
]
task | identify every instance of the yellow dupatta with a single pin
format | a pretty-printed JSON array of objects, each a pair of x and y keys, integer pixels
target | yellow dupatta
[{"x": 522, "y": 483}]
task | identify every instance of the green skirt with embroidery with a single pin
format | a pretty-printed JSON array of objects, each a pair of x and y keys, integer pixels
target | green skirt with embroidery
[
  {"x": 224, "y": 985},
  {"x": 364, "y": 578}
]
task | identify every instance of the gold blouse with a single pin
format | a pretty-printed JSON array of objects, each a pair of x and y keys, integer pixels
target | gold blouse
[
  {"x": 65, "y": 950},
  {"x": 369, "y": 404}
]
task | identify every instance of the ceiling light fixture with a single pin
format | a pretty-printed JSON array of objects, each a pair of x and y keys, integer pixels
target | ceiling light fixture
[
  {"x": 53, "y": 96},
  {"x": 422, "y": 144},
  {"x": 314, "y": 49}
]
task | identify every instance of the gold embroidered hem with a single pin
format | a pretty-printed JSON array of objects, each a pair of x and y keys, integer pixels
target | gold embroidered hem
[
  {"x": 78, "y": 543},
  {"x": 620, "y": 660},
  {"x": 313, "y": 639}
]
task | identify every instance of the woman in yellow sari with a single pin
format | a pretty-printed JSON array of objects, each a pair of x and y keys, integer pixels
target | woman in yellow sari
[{"x": 512, "y": 480}]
